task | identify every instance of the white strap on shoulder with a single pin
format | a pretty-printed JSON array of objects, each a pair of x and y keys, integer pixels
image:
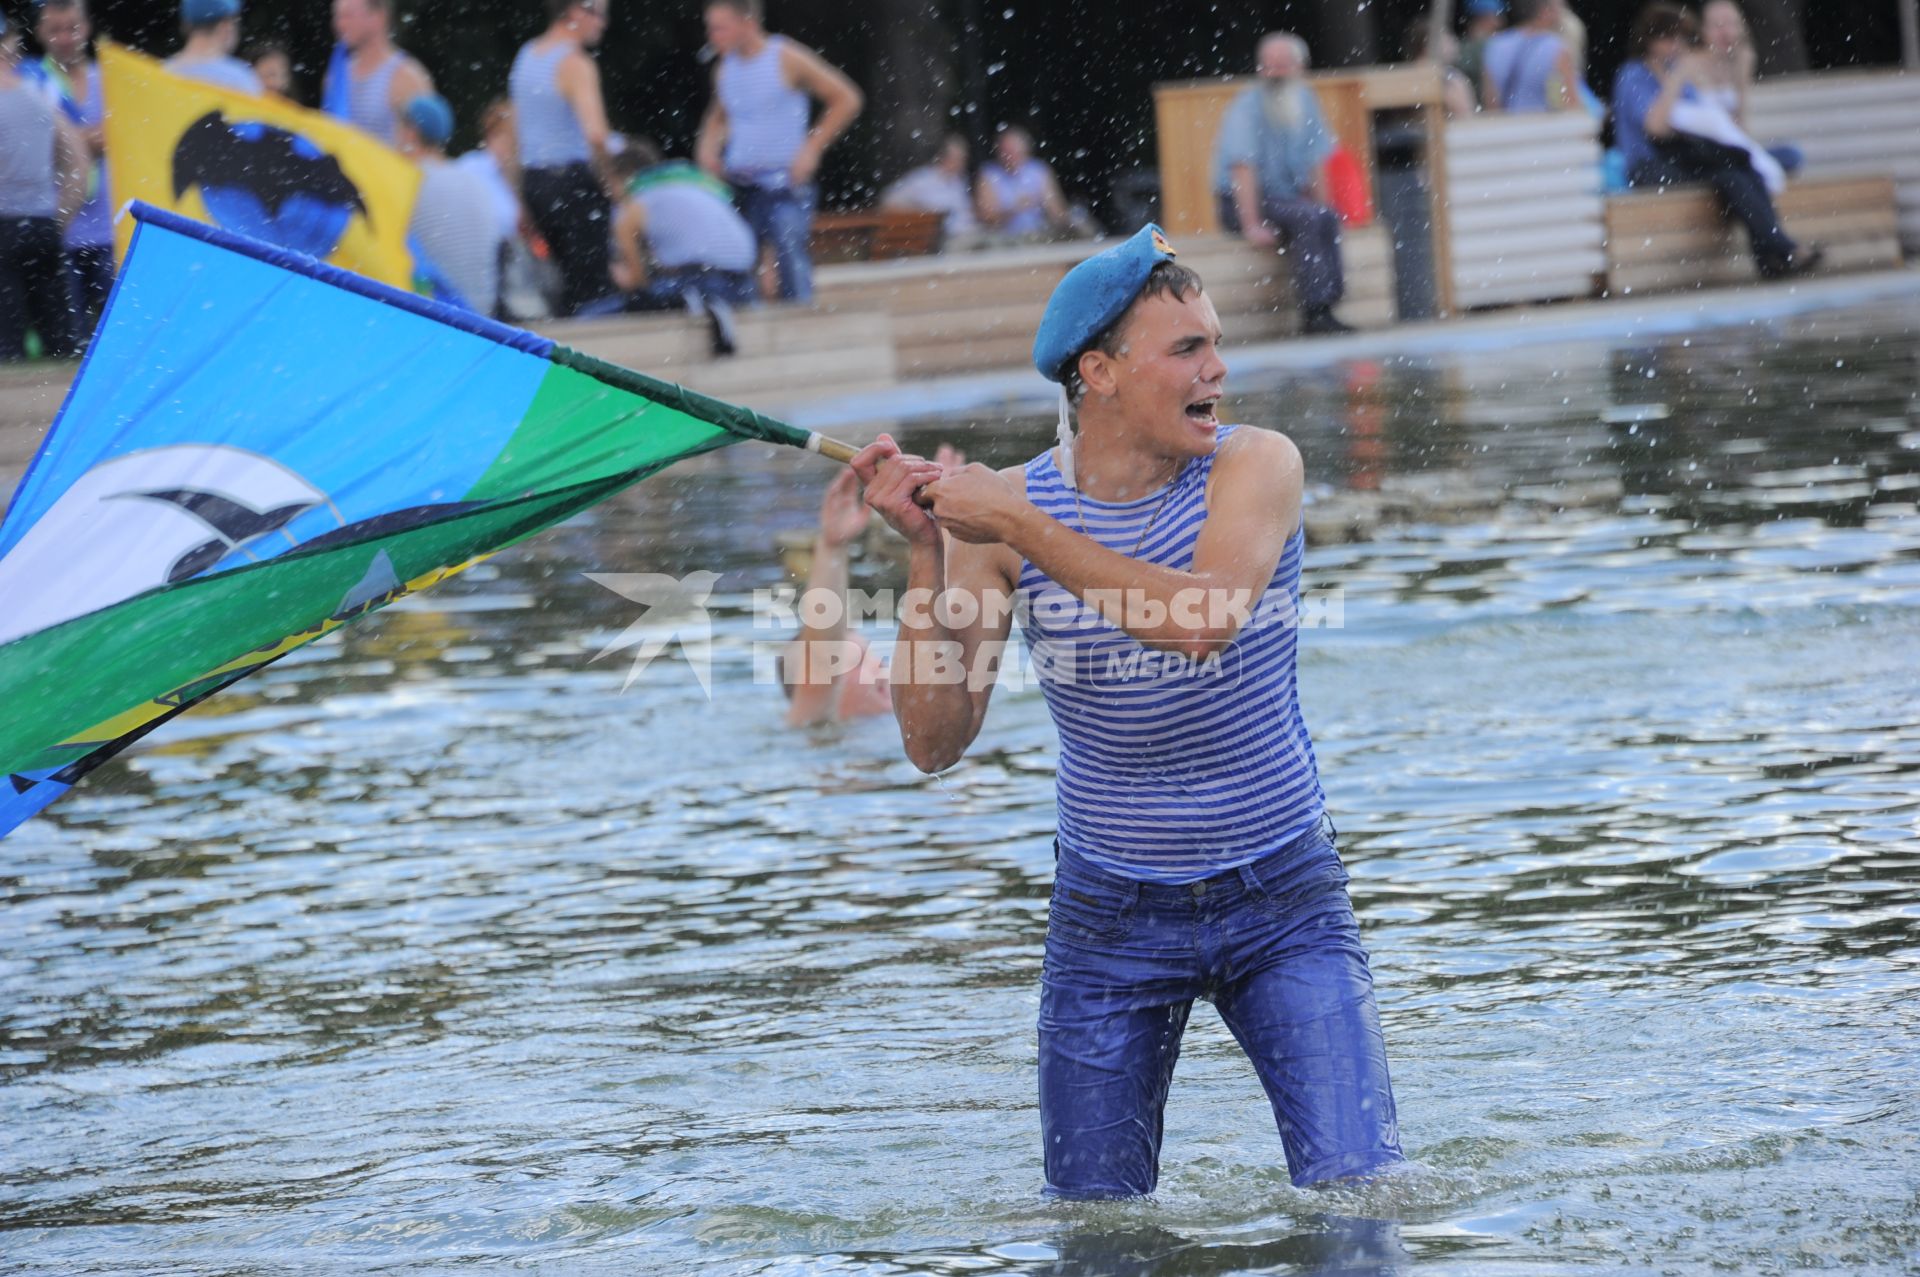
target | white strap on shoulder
[{"x": 1065, "y": 435}]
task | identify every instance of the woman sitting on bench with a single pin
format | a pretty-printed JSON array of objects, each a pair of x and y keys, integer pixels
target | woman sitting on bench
[{"x": 1667, "y": 71}]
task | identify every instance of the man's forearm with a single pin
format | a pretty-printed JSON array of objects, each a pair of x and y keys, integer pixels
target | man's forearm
[
  {"x": 707, "y": 145},
  {"x": 1161, "y": 607},
  {"x": 1245, "y": 201},
  {"x": 70, "y": 154},
  {"x": 835, "y": 120},
  {"x": 931, "y": 699},
  {"x": 826, "y": 576},
  {"x": 1658, "y": 121},
  {"x": 823, "y": 617}
]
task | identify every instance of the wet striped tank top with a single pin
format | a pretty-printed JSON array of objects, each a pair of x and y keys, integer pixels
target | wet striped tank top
[
  {"x": 370, "y": 99},
  {"x": 1170, "y": 769},
  {"x": 766, "y": 116},
  {"x": 548, "y": 131}
]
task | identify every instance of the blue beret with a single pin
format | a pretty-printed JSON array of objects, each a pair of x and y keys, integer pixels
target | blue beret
[
  {"x": 1486, "y": 8},
  {"x": 197, "y": 13},
  {"x": 1093, "y": 295},
  {"x": 431, "y": 118}
]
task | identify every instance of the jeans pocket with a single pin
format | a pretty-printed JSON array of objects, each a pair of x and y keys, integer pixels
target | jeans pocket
[
  {"x": 1087, "y": 908},
  {"x": 1287, "y": 891}
]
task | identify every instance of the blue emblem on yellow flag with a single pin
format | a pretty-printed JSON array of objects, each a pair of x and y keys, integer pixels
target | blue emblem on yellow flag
[{"x": 258, "y": 167}]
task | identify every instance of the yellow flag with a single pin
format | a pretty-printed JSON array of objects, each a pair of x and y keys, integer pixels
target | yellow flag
[{"x": 257, "y": 166}]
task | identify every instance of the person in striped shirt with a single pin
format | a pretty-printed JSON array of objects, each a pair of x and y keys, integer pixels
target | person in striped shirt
[
  {"x": 759, "y": 135},
  {"x": 370, "y": 81},
  {"x": 1154, "y": 560}
]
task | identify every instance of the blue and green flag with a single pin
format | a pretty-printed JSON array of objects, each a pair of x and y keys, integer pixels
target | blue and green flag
[{"x": 258, "y": 449}]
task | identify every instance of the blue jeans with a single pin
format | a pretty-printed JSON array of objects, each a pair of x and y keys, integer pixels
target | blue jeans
[
  {"x": 1274, "y": 946},
  {"x": 1311, "y": 232},
  {"x": 669, "y": 290},
  {"x": 1681, "y": 160},
  {"x": 783, "y": 217}
]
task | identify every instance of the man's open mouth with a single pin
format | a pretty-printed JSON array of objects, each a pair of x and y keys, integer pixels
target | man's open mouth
[{"x": 1202, "y": 411}]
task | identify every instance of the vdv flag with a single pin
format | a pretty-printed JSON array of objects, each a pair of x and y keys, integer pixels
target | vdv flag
[
  {"x": 256, "y": 166},
  {"x": 260, "y": 448}
]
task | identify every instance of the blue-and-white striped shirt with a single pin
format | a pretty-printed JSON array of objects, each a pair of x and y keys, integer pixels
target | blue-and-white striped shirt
[
  {"x": 766, "y": 117},
  {"x": 370, "y": 98},
  {"x": 548, "y": 131},
  {"x": 1170, "y": 770}
]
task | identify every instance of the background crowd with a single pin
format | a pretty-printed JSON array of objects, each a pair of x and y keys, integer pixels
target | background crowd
[{"x": 556, "y": 213}]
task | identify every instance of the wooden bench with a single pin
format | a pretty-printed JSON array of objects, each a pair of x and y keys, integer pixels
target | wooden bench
[
  {"x": 975, "y": 311},
  {"x": 1850, "y": 124},
  {"x": 1659, "y": 241},
  {"x": 875, "y": 235}
]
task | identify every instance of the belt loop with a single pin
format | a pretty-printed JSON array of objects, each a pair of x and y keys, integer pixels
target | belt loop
[{"x": 1250, "y": 880}]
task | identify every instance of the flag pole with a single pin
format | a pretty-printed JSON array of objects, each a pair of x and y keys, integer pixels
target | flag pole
[{"x": 832, "y": 449}]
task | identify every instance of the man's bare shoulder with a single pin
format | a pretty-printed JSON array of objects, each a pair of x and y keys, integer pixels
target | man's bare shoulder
[
  {"x": 1257, "y": 455},
  {"x": 1259, "y": 448},
  {"x": 796, "y": 59}
]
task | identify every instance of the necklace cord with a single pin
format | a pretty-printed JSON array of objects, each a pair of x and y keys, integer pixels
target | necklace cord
[{"x": 1081, "y": 516}]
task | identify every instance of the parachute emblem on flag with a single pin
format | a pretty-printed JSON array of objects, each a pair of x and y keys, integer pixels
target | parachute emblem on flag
[
  {"x": 267, "y": 182},
  {"x": 257, "y": 166}
]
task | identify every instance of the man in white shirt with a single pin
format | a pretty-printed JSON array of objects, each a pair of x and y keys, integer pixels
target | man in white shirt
[{"x": 941, "y": 187}]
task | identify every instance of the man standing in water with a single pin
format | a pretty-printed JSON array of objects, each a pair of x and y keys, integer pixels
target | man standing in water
[
  {"x": 756, "y": 135},
  {"x": 1156, "y": 556},
  {"x": 827, "y": 670}
]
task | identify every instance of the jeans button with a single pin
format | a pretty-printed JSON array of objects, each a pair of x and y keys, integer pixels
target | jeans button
[{"x": 1199, "y": 889}]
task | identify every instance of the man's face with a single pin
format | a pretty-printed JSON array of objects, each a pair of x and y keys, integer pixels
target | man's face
[
  {"x": 276, "y": 74},
  {"x": 354, "y": 22},
  {"x": 1279, "y": 60},
  {"x": 1013, "y": 150},
  {"x": 1169, "y": 375},
  {"x": 63, "y": 33},
  {"x": 726, "y": 28},
  {"x": 953, "y": 158},
  {"x": 593, "y": 17}
]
